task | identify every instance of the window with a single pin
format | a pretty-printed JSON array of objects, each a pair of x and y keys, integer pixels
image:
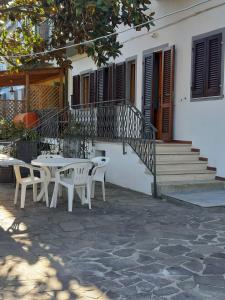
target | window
[
  {"x": 207, "y": 66},
  {"x": 85, "y": 89},
  {"x": 131, "y": 74}
]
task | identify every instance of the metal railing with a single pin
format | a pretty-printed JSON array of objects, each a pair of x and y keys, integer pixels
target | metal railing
[
  {"x": 72, "y": 129},
  {"x": 108, "y": 121},
  {"x": 119, "y": 121}
]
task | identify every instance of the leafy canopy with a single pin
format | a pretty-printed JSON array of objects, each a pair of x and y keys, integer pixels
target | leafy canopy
[{"x": 72, "y": 21}]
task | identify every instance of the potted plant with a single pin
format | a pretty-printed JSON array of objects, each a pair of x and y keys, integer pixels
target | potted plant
[{"x": 75, "y": 140}]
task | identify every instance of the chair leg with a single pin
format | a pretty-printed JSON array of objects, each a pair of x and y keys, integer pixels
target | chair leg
[
  {"x": 70, "y": 198},
  {"x": 35, "y": 192},
  {"x": 103, "y": 190},
  {"x": 46, "y": 194},
  {"x": 54, "y": 195},
  {"x": 93, "y": 189},
  {"x": 16, "y": 193},
  {"x": 23, "y": 195},
  {"x": 60, "y": 191},
  {"x": 89, "y": 196}
]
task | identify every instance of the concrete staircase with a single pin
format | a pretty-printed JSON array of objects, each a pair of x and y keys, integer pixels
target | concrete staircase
[{"x": 180, "y": 168}]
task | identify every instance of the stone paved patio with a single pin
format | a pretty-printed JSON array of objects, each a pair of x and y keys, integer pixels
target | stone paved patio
[{"x": 131, "y": 247}]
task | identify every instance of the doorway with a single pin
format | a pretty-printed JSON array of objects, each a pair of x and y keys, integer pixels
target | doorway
[{"x": 158, "y": 91}]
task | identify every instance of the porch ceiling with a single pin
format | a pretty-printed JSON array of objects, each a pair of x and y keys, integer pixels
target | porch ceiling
[{"x": 35, "y": 76}]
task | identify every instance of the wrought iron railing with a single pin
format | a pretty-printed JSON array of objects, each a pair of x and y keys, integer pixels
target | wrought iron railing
[
  {"x": 71, "y": 130},
  {"x": 119, "y": 121}
]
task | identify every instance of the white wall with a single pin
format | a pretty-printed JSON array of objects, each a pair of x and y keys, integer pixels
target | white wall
[
  {"x": 201, "y": 122},
  {"x": 125, "y": 170}
]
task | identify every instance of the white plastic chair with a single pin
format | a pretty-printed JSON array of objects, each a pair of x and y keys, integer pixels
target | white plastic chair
[
  {"x": 78, "y": 178},
  {"x": 98, "y": 173},
  {"x": 30, "y": 180}
]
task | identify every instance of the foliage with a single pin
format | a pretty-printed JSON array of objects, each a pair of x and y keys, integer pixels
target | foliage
[
  {"x": 76, "y": 140},
  {"x": 71, "y": 21},
  {"x": 8, "y": 131}
]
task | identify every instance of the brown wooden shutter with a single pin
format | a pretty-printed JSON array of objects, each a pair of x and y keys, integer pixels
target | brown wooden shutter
[
  {"x": 147, "y": 105},
  {"x": 120, "y": 81},
  {"x": 213, "y": 65},
  {"x": 93, "y": 87},
  {"x": 198, "y": 68},
  {"x": 111, "y": 82},
  {"x": 76, "y": 90},
  {"x": 100, "y": 84},
  {"x": 166, "y": 109}
]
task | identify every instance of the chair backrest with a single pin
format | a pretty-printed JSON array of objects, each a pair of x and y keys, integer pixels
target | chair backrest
[
  {"x": 17, "y": 173},
  {"x": 17, "y": 170},
  {"x": 98, "y": 172},
  {"x": 80, "y": 172},
  {"x": 49, "y": 156},
  {"x": 100, "y": 160}
]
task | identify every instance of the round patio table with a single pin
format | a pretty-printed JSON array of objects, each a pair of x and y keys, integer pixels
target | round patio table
[
  {"x": 6, "y": 160},
  {"x": 55, "y": 162}
]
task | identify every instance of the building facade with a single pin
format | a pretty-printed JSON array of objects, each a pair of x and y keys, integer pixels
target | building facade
[{"x": 174, "y": 74}]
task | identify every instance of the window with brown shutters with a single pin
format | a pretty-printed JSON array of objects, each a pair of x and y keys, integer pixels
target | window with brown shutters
[
  {"x": 147, "y": 88},
  {"x": 207, "y": 66},
  {"x": 75, "y": 99},
  {"x": 120, "y": 81},
  {"x": 93, "y": 87}
]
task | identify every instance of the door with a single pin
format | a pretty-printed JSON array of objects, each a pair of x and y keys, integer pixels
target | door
[
  {"x": 167, "y": 95},
  {"x": 158, "y": 90}
]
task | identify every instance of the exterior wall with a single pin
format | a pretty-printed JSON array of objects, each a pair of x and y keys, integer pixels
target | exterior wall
[
  {"x": 125, "y": 170},
  {"x": 202, "y": 122}
]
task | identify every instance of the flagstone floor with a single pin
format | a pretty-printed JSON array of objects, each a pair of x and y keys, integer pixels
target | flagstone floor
[{"x": 130, "y": 247}]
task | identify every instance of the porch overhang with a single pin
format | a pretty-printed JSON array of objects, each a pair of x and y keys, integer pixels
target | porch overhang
[{"x": 8, "y": 78}]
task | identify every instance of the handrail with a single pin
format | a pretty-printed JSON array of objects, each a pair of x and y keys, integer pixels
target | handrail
[{"x": 117, "y": 120}]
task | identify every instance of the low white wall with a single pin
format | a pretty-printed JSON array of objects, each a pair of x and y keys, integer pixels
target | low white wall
[{"x": 125, "y": 170}]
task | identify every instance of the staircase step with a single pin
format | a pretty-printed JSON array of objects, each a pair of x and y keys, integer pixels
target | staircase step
[
  {"x": 189, "y": 185},
  {"x": 184, "y": 175},
  {"x": 176, "y": 156},
  {"x": 178, "y": 165},
  {"x": 170, "y": 148}
]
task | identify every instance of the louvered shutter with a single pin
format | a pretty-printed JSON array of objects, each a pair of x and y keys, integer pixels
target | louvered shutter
[
  {"x": 76, "y": 90},
  {"x": 100, "y": 85},
  {"x": 111, "y": 82},
  {"x": 120, "y": 81},
  {"x": 147, "y": 105},
  {"x": 93, "y": 87},
  {"x": 213, "y": 65},
  {"x": 198, "y": 68},
  {"x": 166, "y": 109}
]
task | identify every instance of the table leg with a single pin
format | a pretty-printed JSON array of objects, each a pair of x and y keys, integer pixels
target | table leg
[{"x": 47, "y": 180}]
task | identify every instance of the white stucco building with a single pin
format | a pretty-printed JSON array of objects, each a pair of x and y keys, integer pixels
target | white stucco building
[{"x": 187, "y": 45}]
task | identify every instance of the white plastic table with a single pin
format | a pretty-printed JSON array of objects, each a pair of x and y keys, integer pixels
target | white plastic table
[
  {"x": 6, "y": 160},
  {"x": 55, "y": 162}
]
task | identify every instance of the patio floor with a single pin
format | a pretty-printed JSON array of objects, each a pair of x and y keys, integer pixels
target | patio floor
[{"x": 130, "y": 247}]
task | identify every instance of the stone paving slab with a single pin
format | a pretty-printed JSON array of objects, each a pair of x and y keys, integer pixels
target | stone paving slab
[
  {"x": 213, "y": 198},
  {"x": 129, "y": 247}
]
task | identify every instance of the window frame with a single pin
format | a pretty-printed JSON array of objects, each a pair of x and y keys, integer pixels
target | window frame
[
  {"x": 194, "y": 40},
  {"x": 129, "y": 61},
  {"x": 83, "y": 74}
]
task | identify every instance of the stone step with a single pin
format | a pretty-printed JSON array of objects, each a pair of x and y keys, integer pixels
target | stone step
[
  {"x": 185, "y": 175},
  {"x": 170, "y": 148},
  {"x": 177, "y": 157},
  {"x": 184, "y": 165},
  {"x": 189, "y": 185}
]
